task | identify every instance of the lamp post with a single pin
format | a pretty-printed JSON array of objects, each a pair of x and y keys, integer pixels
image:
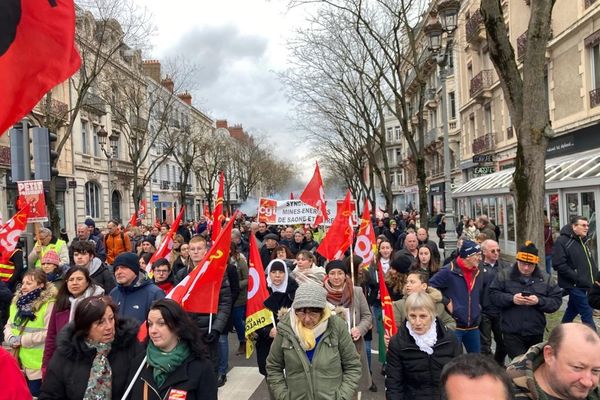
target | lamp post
[
  {"x": 447, "y": 10},
  {"x": 108, "y": 152}
]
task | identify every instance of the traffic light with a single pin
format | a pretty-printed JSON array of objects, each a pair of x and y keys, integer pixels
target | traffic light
[
  {"x": 19, "y": 152},
  {"x": 44, "y": 156}
]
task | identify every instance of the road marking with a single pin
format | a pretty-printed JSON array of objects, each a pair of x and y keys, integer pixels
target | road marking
[{"x": 242, "y": 382}]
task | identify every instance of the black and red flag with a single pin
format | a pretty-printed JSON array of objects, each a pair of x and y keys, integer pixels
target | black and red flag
[{"x": 37, "y": 52}]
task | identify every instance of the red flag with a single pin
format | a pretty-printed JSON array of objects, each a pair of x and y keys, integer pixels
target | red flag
[
  {"x": 10, "y": 232},
  {"x": 389, "y": 324},
  {"x": 132, "y": 220},
  {"x": 257, "y": 315},
  {"x": 366, "y": 243},
  {"x": 339, "y": 236},
  {"x": 218, "y": 211},
  {"x": 166, "y": 244},
  {"x": 199, "y": 291},
  {"x": 314, "y": 195},
  {"x": 142, "y": 210},
  {"x": 291, "y": 195},
  {"x": 37, "y": 52}
]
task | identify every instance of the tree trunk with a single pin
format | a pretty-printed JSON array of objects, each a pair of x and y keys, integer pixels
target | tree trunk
[{"x": 53, "y": 216}]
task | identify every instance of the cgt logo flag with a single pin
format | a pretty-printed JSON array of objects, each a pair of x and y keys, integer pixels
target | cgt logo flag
[
  {"x": 314, "y": 195},
  {"x": 366, "y": 244},
  {"x": 257, "y": 315},
  {"x": 37, "y": 52},
  {"x": 166, "y": 244},
  {"x": 10, "y": 233},
  {"x": 218, "y": 211},
  {"x": 389, "y": 324}
]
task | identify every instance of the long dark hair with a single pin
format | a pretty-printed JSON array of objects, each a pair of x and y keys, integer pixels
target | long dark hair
[
  {"x": 181, "y": 325},
  {"x": 62, "y": 297},
  {"x": 90, "y": 310}
]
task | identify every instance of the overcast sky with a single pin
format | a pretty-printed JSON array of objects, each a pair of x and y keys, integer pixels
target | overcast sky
[{"x": 239, "y": 46}]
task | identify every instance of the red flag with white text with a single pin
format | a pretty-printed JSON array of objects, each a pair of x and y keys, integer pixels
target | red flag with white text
[
  {"x": 218, "y": 211},
  {"x": 257, "y": 315},
  {"x": 389, "y": 324},
  {"x": 10, "y": 233},
  {"x": 37, "y": 52},
  {"x": 166, "y": 244},
  {"x": 314, "y": 195},
  {"x": 366, "y": 243},
  {"x": 339, "y": 236}
]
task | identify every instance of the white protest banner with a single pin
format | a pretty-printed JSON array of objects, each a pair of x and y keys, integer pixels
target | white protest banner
[{"x": 294, "y": 212}]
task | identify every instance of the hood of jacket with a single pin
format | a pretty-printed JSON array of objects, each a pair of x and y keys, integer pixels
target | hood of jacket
[
  {"x": 73, "y": 346},
  {"x": 435, "y": 294},
  {"x": 48, "y": 294},
  {"x": 567, "y": 231},
  {"x": 521, "y": 370},
  {"x": 94, "y": 265}
]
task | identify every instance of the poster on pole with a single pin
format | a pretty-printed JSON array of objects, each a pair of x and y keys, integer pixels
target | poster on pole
[
  {"x": 296, "y": 212},
  {"x": 31, "y": 193}
]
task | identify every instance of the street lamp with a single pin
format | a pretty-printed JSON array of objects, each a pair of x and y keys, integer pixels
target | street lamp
[
  {"x": 108, "y": 152},
  {"x": 447, "y": 10}
]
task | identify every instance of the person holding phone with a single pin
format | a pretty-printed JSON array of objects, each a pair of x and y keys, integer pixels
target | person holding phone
[{"x": 524, "y": 293}]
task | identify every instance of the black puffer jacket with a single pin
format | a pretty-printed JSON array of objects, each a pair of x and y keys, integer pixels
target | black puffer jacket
[
  {"x": 69, "y": 370},
  {"x": 572, "y": 259},
  {"x": 195, "y": 378},
  {"x": 219, "y": 320},
  {"x": 525, "y": 320},
  {"x": 412, "y": 374}
]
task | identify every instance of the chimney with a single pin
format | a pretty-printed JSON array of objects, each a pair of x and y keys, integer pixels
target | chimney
[
  {"x": 168, "y": 83},
  {"x": 237, "y": 132},
  {"x": 152, "y": 69},
  {"x": 221, "y": 123},
  {"x": 185, "y": 97}
]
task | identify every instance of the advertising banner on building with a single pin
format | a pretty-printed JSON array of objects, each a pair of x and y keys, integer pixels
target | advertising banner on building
[
  {"x": 295, "y": 212},
  {"x": 32, "y": 194}
]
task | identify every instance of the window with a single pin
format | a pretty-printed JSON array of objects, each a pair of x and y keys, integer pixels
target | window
[
  {"x": 488, "y": 119},
  {"x": 452, "y": 105},
  {"x": 96, "y": 143},
  {"x": 397, "y": 134},
  {"x": 116, "y": 147},
  {"x": 469, "y": 71},
  {"x": 92, "y": 199},
  {"x": 595, "y": 66},
  {"x": 389, "y": 135},
  {"x": 85, "y": 146}
]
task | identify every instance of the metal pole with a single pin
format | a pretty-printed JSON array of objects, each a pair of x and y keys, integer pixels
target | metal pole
[
  {"x": 109, "y": 159},
  {"x": 450, "y": 236}
]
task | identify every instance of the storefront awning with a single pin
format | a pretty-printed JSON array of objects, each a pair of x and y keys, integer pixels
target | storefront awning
[{"x": 574, "y": 167}]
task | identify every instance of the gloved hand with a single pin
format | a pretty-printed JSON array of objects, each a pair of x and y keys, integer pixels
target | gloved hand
[{"x": 211, "y": 337}]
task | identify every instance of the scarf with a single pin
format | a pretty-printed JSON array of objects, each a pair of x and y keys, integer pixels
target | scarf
[
  {"x": 307, "y": 336},
  {"x": 314, "y": 274},
  {"x": 426, "y": 341},
  {"x": 469, "y": 274},
  {"x": 54, "y": 276},
  {"x": 282, "y": 287},
  {"x": 163, "y": 363},
  {"x": 385, "y": 265},
  {"x": 92, "y": 290},
  {"x": 339, "y": 297},
  {"x": 99, "y": 386},
  {"x": 25, "y": 309}
]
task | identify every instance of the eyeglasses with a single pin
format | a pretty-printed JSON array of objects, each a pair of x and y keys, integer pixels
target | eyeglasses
[
  {"x": 495, "y": 251},
  {"x": 310, "y": 312},
  {"x": 161, "y": 271}
]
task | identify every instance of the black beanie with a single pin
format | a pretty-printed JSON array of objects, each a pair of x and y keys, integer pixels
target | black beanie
[
  {"x": 336, "y": 264},
  {"x": 127, "y": 260}
]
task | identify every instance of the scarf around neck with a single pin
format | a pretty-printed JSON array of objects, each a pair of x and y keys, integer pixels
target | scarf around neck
[
  {"x": 163, "y": 363},
  {"x": 426, "y": 341},
  {"x": 307, "y": 336},
  {"x": 469, "y": 274},
  {"x": 339, "y": 297},
  {"x": 92, "y": 290},
  {"x": 25, "y": 309},
  {"x": 99, "y": 386}
]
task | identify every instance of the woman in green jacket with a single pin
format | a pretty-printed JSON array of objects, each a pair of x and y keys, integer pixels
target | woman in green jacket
[{"x": 315, "y": 350}]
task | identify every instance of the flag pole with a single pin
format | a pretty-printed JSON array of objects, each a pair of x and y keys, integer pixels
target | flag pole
[
  {"x": 137, "y": 373},
  {"x": 353, "y": 283},
  {"x": 209, "y": 322}
]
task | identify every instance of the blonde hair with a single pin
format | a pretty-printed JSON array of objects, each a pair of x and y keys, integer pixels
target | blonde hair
[{"x": 420, "y": 300}]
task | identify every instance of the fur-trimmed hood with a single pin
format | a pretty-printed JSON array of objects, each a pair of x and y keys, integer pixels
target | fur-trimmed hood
[
  {"x": 47, "y": 295},
  {"x": 73, "y": 347},
  {"x": 435, "y": 294}
]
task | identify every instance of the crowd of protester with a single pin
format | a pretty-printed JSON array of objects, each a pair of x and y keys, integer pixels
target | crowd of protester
[{"x": 469, "y": 323}]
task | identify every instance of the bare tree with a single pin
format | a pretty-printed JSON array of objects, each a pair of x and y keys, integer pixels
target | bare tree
[
  {"x": 209, "y": 162},
  {"x": 103, "y": 27},
  {"x": 525, "y": 94}
]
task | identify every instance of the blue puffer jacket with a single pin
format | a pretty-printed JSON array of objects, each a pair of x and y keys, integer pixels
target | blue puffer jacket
[
  {"x": 134, "y": 301},
  {"x": 466, "y": 307}
]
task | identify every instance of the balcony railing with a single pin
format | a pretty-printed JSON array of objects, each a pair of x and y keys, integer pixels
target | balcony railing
[
  {"x": 521, "y": 45},
  {"x": 164, "y": 185},
  {"x": 138, "y": 123},
  {"x": 174, "y": 123},
  {"x": 474, "y": 27},
  {"x": 481, "y": 82},
  {"x": 58, "y": 109},
  {"x": 430, "y": 98},
  {"x": 431, "y": 136},
  {"x": 594, "y": 97},
  {"x": 483, "y": 143},
  {"x": 588, "y": 3},
  {"x": 94, "y": 103}
]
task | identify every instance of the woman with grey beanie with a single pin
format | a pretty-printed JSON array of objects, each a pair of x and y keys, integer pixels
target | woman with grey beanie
[{"x": 315, "y": 350}]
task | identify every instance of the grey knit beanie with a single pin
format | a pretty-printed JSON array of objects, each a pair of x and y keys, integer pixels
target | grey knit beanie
[{"x": 310, "y": 295}]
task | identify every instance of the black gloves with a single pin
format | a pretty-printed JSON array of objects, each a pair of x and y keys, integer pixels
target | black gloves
[{"x": 211, "y": 337}]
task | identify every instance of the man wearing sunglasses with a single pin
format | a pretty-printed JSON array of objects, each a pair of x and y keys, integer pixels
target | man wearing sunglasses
[{"x": 491, "y": 264}]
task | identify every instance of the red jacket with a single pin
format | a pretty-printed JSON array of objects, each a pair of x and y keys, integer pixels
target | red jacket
[{"x": 14, "y": 386}]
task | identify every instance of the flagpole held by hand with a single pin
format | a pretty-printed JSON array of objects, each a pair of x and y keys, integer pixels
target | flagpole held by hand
[{"x": 137, "y": 373}]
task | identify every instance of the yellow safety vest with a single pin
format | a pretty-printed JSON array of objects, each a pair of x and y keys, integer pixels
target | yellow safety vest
[
  {"x": 51, "y": 246},
  {"x": 31, "y": 357}
]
